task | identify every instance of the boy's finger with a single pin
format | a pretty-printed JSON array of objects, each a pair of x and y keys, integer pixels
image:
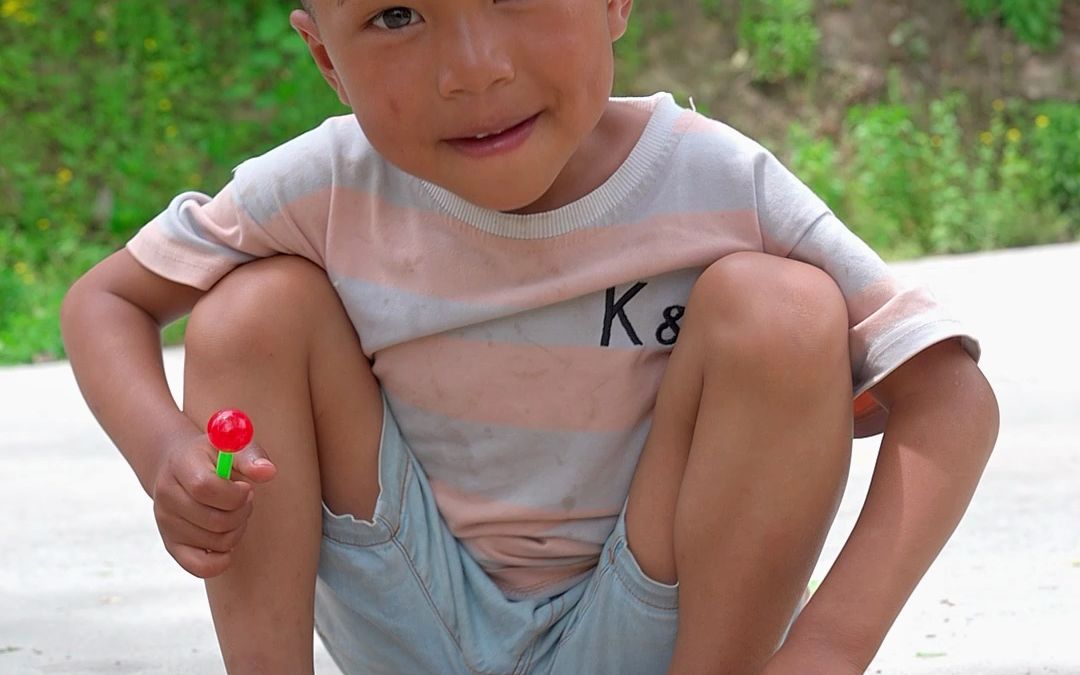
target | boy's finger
[
  {"x": 208, "y": 489},
  {"x": 253, "y": 464},
  {"x": 188, "y": 534},
  {"x": 215, "y": 521},
  {"x": 199, "y": 562}
]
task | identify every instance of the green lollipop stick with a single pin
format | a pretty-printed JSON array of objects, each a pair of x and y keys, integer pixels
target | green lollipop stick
[
  {"x": 224, "y": 464},
  {"x": 229, "y": 430}
]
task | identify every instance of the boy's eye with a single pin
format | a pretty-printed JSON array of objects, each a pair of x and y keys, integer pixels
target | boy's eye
[{"x": 395, "y": 17}]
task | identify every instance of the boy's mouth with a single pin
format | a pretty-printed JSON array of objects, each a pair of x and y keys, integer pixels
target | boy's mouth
[{"x": 494, "y": 139}]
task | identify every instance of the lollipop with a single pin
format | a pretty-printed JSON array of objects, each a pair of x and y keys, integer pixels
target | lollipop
[{"x": 229, "y": 431}]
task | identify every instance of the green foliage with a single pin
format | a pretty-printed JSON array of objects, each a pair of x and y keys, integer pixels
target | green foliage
[
  {"x": 817, "y": 160},
  {"x": 712, "y": 9},
  {"x": 1054, "y": 146},
  {"x": 629, "y": 51},
  {"x": 882, "y": 163},
  {"x": 109, "y": 108},
  {"x": 780, "y": 36},
  {"x": 913, "y": 182},
  {"x": 1036, "y": 22}
]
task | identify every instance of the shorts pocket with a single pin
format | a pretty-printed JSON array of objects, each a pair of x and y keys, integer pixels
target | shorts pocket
[
  {"x": 627, "y": 628},
  {"x": 350, "y": 530},
  {"x": 645, "y": 589},
  {"x": 394, "y": 473}
]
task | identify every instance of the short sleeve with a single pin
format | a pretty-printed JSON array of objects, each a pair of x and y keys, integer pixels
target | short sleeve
[
  {"x": 275, "y": 204},
  {"x": 889, "y": 321}
]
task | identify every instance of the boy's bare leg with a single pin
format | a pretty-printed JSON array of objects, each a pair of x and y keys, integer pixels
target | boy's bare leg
[
  {"x": 745, "y": 465},
  {"x": 273, "y": 340}
]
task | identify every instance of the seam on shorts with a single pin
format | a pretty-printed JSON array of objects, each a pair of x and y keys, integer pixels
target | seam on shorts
[
  {"x": 412, "y": 564},
  {"x": 391, "y": 528},
  {"x": 432, "y": 605},
  {"x": 394, "y": 528},
  {"x": 404, "y": 457},
  {"x": 525, "y": 661},
  {"x": 622, "y": 548},
  {"x": 629, "y": 589},
  {"x": 528, "y": 655},
  {"x": 588, "y": 602},
  {"x": 540, "y": 631}
]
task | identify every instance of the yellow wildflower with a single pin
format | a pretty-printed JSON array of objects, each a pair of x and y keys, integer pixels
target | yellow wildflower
[
  {"x": 43, "y": 224},
  {"x": 64, "y": 176},
  {"x": 150, "y": 44},
  {"x": 1042, "y": 121},
  {"x": 998, "y": 104},
  {"x": 100, "y": 36},
  {"x": 18, "y": 11},
  {"x": 22, "y": 270},
  {"x": 986, "y": 137},
  {"x": 171, "y": 131},
  {"x": 164, "y": 105},
  {"x": 1013, "y": 135}
]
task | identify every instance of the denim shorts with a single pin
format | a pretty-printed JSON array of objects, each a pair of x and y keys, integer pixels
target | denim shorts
[{"x": 399, "y": 595}]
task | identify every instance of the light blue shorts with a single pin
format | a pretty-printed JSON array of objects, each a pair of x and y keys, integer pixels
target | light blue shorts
[{"x": 401, "y": 596}]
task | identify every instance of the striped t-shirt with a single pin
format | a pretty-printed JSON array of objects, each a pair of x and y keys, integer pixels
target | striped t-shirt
[{"x": 521, "y": 354}]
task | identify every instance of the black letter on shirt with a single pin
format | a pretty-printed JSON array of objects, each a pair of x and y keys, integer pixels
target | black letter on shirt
[{"x": 614, "y": 308}]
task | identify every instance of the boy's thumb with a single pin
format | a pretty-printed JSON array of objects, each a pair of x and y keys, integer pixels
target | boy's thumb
[{"x": 254, "y": 464}]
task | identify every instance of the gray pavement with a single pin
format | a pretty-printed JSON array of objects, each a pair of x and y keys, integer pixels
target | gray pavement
[{"x": 86, "y": 587}]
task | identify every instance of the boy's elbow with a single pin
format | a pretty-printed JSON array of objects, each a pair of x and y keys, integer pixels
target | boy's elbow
[
  {"x": 69, "y": 307},
  {"x": 73, "y": 312},
  {"x": 973, "y": 416},
  {"x": 946, "y": 388},
  {"x": 976, "y": 408},
  {"x": 82, "y": 307},
  {"x": 984, "y": 407}
]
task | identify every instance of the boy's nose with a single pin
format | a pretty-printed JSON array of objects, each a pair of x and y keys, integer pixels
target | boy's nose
[{"x": 473, "y": 58}]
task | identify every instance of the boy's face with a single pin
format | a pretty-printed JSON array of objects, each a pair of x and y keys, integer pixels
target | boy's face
[{"x": 423, "y": 78}]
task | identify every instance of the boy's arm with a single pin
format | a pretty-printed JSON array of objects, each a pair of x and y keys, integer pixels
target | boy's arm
[
  {"x": 111, "y": 321},
  {"x": 942, "y": 426}
]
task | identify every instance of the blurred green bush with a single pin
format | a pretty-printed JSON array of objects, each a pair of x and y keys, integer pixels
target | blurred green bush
[
  {"x": 912, "y": 182},
  {"x": 109, "y": 108},
  {"x": 780, "y": 37},
  {"x": 1036, "y": 22}
]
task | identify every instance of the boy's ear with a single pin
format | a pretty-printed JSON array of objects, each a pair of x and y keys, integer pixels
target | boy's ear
[
  {"x": 304, "y": 24},
  {"x": 618, "y": 12}
]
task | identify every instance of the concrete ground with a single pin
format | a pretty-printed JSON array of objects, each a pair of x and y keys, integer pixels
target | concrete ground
[{"x": 86, "y": 587}]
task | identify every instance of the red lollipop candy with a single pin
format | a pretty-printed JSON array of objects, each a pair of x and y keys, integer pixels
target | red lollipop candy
[{"x": 229, "y": 431}]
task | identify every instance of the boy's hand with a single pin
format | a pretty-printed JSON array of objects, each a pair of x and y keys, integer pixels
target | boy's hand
[{"x": 202, "y": 517}]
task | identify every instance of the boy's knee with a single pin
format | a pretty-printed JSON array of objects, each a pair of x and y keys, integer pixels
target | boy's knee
[
  {"x": 265, "y": 306},
  {"x": 784, "y": 311}
]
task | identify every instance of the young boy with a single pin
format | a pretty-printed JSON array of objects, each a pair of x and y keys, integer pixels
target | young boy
[{"x": 544, "y": 382}]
